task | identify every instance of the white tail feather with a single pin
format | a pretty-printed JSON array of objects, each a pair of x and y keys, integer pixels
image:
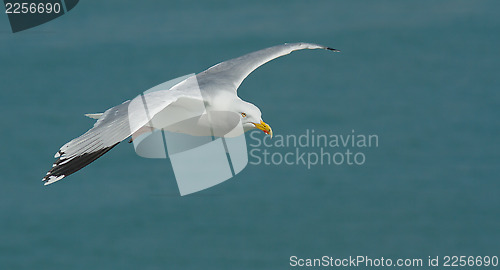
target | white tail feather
[{"x": 94, "y": 115}]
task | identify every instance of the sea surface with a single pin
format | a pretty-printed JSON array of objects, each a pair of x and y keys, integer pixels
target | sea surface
[{"x": 423, "y": 76}]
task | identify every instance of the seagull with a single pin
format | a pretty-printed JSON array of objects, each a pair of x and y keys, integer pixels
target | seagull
[{"x": 215, "y": 89}]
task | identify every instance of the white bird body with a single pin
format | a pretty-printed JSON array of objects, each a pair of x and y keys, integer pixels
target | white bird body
[{"x": 205, "y": 104}]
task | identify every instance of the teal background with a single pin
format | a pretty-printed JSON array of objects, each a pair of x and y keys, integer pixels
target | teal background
[{"x": 423, "y": 75}]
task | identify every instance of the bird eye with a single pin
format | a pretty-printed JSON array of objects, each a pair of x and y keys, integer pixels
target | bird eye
[{"x": 243, "y": 114}]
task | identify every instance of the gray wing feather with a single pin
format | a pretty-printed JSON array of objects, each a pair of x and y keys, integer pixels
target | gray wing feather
[
  {"x": 236, "y": 70},
  {"x": 115, "y": 125}
]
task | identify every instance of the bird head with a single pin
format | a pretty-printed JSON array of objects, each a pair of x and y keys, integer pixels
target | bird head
[{"x": 251, "y": 117}]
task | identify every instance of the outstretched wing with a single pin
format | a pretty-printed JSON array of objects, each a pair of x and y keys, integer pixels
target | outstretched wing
[
  {"x": 234, "y": 71},
  {"x": 115, "y": 125}
]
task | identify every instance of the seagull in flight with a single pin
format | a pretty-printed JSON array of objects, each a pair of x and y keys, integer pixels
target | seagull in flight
[{"x": 215, "y": 89}]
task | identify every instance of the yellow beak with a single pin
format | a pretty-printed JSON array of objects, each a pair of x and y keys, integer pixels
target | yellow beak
[{"x": 264, "y": 127}]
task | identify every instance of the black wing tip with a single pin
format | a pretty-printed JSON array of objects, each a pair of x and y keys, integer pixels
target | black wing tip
[
  {"x": 332, "y": 49},
  {"x": 49, "y": 179},
  {"x": 63, "y": 167}
]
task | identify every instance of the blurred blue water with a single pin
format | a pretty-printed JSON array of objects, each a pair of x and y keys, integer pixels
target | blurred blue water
[{"x": 421, "y": 75}]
